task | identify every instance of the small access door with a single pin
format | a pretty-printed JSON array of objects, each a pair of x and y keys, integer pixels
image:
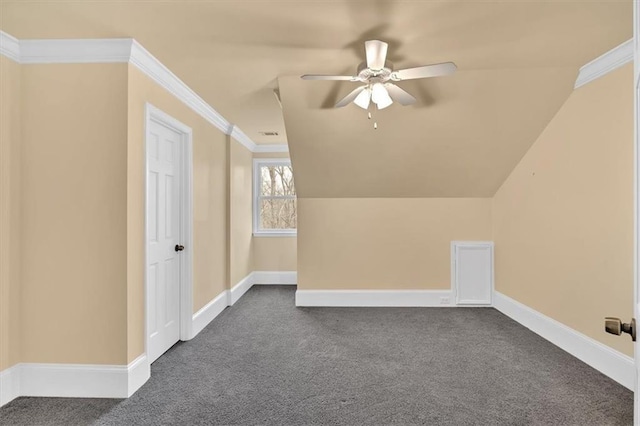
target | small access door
[{"x": 472, "y": 272}]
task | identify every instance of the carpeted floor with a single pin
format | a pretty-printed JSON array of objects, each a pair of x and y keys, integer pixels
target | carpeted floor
[{"x": 265, "y": 362}]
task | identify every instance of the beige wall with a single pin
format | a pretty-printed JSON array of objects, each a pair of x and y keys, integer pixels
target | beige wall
[
  {"x": 73, "y": 209},
  {"x": 72, "y": 191},
  {"x": 240, "y": 213},
  {"x": 10, "y": 230},
  {"x": 274, "y": 253},
  {"x": 384, "y": 243},
  {"x": 74, "y": 213},
  {"x": 563, "y": 220},
  {"x": 209, "y": 202}
]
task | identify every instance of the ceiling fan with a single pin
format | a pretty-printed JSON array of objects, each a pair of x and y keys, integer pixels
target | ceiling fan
[{"x": 378, "y": 75}]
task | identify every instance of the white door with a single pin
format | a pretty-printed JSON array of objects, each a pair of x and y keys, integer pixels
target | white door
[
  {"x": 472, "y": 272},
  {"x": 163, "y": 234}
]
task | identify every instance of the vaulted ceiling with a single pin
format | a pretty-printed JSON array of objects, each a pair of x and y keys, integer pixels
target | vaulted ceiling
[{"x": 517, "y": 62}]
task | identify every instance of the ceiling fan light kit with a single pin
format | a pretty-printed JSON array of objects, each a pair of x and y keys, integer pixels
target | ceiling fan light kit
[{"x": 378, "y": 75}]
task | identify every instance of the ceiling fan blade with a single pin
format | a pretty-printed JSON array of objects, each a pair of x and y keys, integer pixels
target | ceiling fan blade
[
  {"x": 328, "y": 77},
  {"x": 425, "y": 71},
  {"x": 399, "y": 95},
  {"x": 350, "y": 97},
  {"x": 376, "y": 51}
]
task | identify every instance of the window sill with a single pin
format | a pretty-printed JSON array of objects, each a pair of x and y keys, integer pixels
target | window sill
[{"x": 275, "y": 234}]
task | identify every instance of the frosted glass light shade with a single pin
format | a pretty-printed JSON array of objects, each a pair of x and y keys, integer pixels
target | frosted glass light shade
[
  {"x": 363, "y": 99},
  {"x": 385, "y": 102},
  {"x": 380, "y": 96},
  {"x": 377, "y": 92}
]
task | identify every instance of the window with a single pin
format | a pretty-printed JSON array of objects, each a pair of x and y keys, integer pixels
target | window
[{"x": 274, "y": 198}]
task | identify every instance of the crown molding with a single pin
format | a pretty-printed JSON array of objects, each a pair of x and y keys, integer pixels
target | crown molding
[
  {"x": 158, "y": 72},
  {"x": 84, "y": 51},
  {"x": 242, "y": 138},
  {"x": 9, "y": 46},
  {"x": 246, "y": 141},
  {"x": 615, "y": 58},
  {"x": 124, "y": 50},
  {"x": 272, "y": 147}
]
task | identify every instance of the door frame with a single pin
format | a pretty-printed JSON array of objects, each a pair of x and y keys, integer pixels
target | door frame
[
  {"x": 636, "y": 188},
  {"x": 154, "y": 114}
]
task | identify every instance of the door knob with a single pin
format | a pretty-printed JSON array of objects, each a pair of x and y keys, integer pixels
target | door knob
[
  {"x": 617, "y": 327},
  {"x": 179, "y": 247}
]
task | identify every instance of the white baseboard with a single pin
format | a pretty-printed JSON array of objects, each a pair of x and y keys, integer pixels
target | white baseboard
[
  {"x": 204, "y": 316},
  {"x": 74, "y": 380},
  {"x": 261, "y": 278},
  {"x": 211, "y": 310},
  {"x": 275, "y": 277},
  {"x": 9, "y": 384},
  {"x": 122, "y": 381},
  {"x": 115, "y": 381},
  {"x": 139, "y": 371},
  {"x": 229, "y": 297},
  {"x": 608, "y": 361},
  {"x": 374, "y": 298},
  {"x": 238, "y": 290}
]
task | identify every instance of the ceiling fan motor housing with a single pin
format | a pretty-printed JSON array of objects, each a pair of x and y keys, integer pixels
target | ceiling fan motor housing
[{"x": 366, "y": 74}]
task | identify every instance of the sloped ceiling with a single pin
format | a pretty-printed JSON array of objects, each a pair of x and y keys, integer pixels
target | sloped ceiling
[
  {"x": 461, "y": 141},
  {"x": 517, "y": 63}
]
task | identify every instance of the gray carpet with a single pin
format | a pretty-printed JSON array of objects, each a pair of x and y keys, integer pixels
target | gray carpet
[{"x": 263, "y": 361}]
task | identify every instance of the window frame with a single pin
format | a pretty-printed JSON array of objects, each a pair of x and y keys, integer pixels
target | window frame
[{"x": 258, "y": 163}]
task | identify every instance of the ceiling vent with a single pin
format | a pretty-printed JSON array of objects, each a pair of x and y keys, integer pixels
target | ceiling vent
[{"x": 268, "y": 133}]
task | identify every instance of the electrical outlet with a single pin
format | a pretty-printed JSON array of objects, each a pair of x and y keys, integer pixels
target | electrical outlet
[{"x": 444, "y": 300}]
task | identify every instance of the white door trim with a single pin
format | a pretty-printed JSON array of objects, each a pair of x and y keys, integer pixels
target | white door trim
[
  {"x": 455, "y": 245},
  {"x": 636, "y": 201},
  {"x": 153, "y": 114}
]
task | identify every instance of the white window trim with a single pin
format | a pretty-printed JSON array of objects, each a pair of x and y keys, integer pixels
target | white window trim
[{"x": 257, "y": 163}]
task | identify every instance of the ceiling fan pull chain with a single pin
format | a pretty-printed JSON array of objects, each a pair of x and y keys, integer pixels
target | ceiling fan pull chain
[{"x": 375, "y": 123}]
